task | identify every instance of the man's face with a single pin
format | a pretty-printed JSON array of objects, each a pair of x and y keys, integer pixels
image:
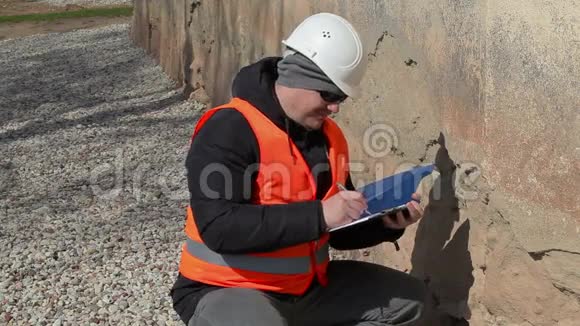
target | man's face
[{"x": 309, "y": 108}]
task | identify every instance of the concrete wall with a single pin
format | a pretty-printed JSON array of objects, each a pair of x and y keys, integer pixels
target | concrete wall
[{"x": 486, "y": 89}]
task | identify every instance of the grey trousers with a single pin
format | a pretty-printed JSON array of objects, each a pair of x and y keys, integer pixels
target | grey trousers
[{"x": 358, "y": 293}]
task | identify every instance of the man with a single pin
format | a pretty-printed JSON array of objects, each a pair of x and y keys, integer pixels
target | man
[{"x": 263, "y": 174}]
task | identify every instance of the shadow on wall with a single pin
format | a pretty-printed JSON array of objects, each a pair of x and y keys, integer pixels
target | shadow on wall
[{"x": 440, "y": 258}]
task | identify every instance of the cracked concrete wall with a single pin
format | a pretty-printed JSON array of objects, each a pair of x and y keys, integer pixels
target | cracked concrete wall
[{"x": 486, "y": 89}]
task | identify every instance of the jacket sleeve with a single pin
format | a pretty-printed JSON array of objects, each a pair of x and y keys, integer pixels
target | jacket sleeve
[
  {"x": 220, "y": 182},
  {"x": 362, "y": 235}
]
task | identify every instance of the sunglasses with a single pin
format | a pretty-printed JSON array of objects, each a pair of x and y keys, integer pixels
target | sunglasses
[{"x": 332, "y": 97}]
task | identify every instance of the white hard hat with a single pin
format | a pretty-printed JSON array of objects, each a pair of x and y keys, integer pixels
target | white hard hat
[{"x": 333, "y": 44}]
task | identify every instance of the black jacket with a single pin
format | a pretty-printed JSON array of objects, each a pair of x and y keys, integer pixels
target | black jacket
[{"x": 231, "y": 224}]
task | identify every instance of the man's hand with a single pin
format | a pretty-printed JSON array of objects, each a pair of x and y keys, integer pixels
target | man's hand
[
  {"x": 343, "y": 207},
  {"x": 399, "y": 221}
]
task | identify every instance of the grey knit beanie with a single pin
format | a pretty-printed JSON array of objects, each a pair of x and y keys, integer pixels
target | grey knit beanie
[{"x": 297, "y": 71}]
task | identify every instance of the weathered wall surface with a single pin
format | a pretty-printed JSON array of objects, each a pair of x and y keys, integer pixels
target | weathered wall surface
[{"x": 486, "y": 89}]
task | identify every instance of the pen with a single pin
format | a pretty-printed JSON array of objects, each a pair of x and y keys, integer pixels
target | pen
[{"x": 343, "y": 188}]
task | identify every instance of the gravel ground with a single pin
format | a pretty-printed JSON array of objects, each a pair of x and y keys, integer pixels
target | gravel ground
[
  {"x": 89, "y": 2},
  {"x": 93, "y": 138}
]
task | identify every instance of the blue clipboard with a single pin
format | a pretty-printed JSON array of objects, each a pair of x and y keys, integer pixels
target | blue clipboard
[{"x": 390, "y": 194}]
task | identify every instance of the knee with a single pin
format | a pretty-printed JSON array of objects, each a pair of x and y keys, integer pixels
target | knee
[
  {"x": 413, "y": 304},
  {"x": 245, "y": 307}
]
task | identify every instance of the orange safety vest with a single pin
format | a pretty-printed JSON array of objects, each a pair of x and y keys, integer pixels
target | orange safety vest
[{"x": 281, "y": 178}]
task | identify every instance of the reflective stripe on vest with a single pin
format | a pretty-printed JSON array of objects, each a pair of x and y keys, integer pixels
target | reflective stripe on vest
[{"x": 282, "y": 265}]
